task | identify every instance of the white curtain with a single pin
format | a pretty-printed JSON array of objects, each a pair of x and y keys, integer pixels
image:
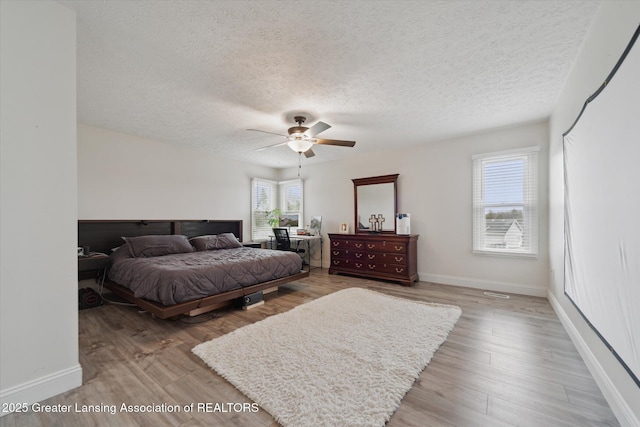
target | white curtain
[{"x": 602, "y": 204}]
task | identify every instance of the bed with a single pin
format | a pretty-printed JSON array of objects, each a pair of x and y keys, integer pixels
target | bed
[{"x": 185, "y": 267}]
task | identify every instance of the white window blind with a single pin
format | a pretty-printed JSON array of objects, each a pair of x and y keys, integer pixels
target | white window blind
[
  {"x": 263, "y": 200},
  {"x": 505, "y": 203},
  {"x": 266, "y": 195},
  {"x": 291, "y": 198}
]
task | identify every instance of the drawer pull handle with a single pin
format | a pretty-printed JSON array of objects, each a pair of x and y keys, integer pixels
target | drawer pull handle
[
  {"x": 372, "y": 266},
  {"x": 336, "y": 253},
  {"x": 358, "y": 245},
  {"x": 371, "y": 246},
  {"x": 371, "y": 256},
  {"x": 358, "y": 264},
  {"x": 399, "y": 270},
  {"x": 398, "y": 258},
  {"x": 335, "y": 243},
  {"x": 358, "y": 255},
  {"x": 398, "y": 248}
]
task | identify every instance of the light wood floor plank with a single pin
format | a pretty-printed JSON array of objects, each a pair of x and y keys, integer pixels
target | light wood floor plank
[{"x": 508, "y": 362}]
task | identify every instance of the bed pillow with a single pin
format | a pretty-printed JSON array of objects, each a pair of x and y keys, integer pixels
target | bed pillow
[
  {"x": 228, "y": 241},
  {"x": 150, "y": 246},
  {"x": 121, "y": 252},
  {"x": 215, "y": 241}
]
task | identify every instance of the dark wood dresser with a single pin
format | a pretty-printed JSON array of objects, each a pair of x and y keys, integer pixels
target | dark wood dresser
[{"x": 378, "y": 256}]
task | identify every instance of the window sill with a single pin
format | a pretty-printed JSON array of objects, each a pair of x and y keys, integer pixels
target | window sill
[{"x": 506, "y": 254}]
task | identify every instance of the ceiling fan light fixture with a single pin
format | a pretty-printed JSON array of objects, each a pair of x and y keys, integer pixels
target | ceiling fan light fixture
[
  {"x": 301, "y": 138},
  {"x": 299, "y": 145}
]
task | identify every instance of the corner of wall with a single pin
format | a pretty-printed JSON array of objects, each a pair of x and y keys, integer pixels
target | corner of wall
[{"x": 619, "y": 405}]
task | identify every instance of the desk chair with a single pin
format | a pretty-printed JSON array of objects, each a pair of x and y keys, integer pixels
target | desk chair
[{"x": 283, "y": 242}]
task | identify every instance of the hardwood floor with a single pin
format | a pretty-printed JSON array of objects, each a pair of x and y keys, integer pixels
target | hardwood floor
[{"x": 507, "y": 362}]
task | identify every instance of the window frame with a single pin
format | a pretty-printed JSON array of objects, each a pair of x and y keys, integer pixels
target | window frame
[
  {"x": 529, "y": 203},
  {"x": 283, "y": 187},
  {"x": 259, "y": 231},
  {"x": 278, "y": 200}
]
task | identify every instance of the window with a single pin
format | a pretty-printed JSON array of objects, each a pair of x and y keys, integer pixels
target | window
[
  {"x": 505, "y": 203},
  {"x": 266, "y": 196},
  {"x": 263, "y": 200},
  {"x": 290, "y": 197}
]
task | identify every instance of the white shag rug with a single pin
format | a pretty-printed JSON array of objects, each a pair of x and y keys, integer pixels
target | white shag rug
[{"x": 346, "y": 359}]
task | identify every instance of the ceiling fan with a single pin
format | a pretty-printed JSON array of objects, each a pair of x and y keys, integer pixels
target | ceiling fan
[{"x": 302, "y": 138}]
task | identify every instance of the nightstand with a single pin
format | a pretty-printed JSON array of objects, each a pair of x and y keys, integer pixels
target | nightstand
[{"x": 93, "y": 266}]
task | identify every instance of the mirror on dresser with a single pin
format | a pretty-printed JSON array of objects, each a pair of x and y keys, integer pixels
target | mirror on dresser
[{"x": 375, "y": 196}]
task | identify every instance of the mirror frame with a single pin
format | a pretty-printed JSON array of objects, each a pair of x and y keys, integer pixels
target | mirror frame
[{"x": 382, "y": 179}]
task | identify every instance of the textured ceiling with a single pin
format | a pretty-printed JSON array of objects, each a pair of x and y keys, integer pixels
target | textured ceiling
[{"x": 383, "y": 73}]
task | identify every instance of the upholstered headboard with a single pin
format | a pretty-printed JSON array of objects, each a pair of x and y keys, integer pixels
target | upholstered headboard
[{"x": 104, "y": 235}]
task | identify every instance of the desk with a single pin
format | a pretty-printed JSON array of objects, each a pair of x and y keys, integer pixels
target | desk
[
  {"x": 257, "y": 245},
  {"x": 308, "y": 239}
]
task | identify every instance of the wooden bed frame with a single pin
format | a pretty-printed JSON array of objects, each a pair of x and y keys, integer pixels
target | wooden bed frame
[{"x": 103, "y": 236}]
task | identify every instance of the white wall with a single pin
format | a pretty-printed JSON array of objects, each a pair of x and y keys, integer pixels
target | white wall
[
  {"x": 38, "y": 213},
  {"x": 121, "y": 176},
  {"x": 126, "y": 177},
  {"x": 434, "y": 186},
  {"x": 611, "y": 31}
]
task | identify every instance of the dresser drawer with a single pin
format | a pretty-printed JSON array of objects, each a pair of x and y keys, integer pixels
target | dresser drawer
[
  {"x": 348, "y": 265},
  {"x": 339, "y": 244},
  {"x": 394, "y": 270},
  {"x": 347, "y": 254},
  {"x": 347, "y": 244},
  {"x": 386, "y": 246},
  {"x": 391, "y": 269},
  {"x": 357, "y": 265},
  {"x": 339, "y": 253},
  {"x": 340, "y": 263},
  {"x": 357, "y": 245},
  {"x": 398, "y": 258}
]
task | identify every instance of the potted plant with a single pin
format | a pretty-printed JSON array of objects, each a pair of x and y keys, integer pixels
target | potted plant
[{"x": 273, "y": 217}]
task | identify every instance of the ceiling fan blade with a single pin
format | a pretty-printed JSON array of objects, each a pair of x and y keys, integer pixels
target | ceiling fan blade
[
  {"x": 270, "y": 146},
  {"x": 336, "y": 142},
  {"x": 265, "y": 131},
  {"x": 309, "y": 153},
  {"x": 317, "y": 128}
]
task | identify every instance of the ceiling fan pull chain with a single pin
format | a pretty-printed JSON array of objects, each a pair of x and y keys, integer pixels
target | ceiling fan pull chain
[{"x": 299, "y": 163}]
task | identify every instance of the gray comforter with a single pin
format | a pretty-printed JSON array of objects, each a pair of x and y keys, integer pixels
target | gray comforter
[{"x": 171, "y": 279}]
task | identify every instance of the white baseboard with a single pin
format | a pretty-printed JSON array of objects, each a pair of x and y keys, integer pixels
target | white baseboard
[
  {"x": 42, "y": 388},
  {"x": 618, "y": 404},
  {"x": 488, "y": 285}
]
